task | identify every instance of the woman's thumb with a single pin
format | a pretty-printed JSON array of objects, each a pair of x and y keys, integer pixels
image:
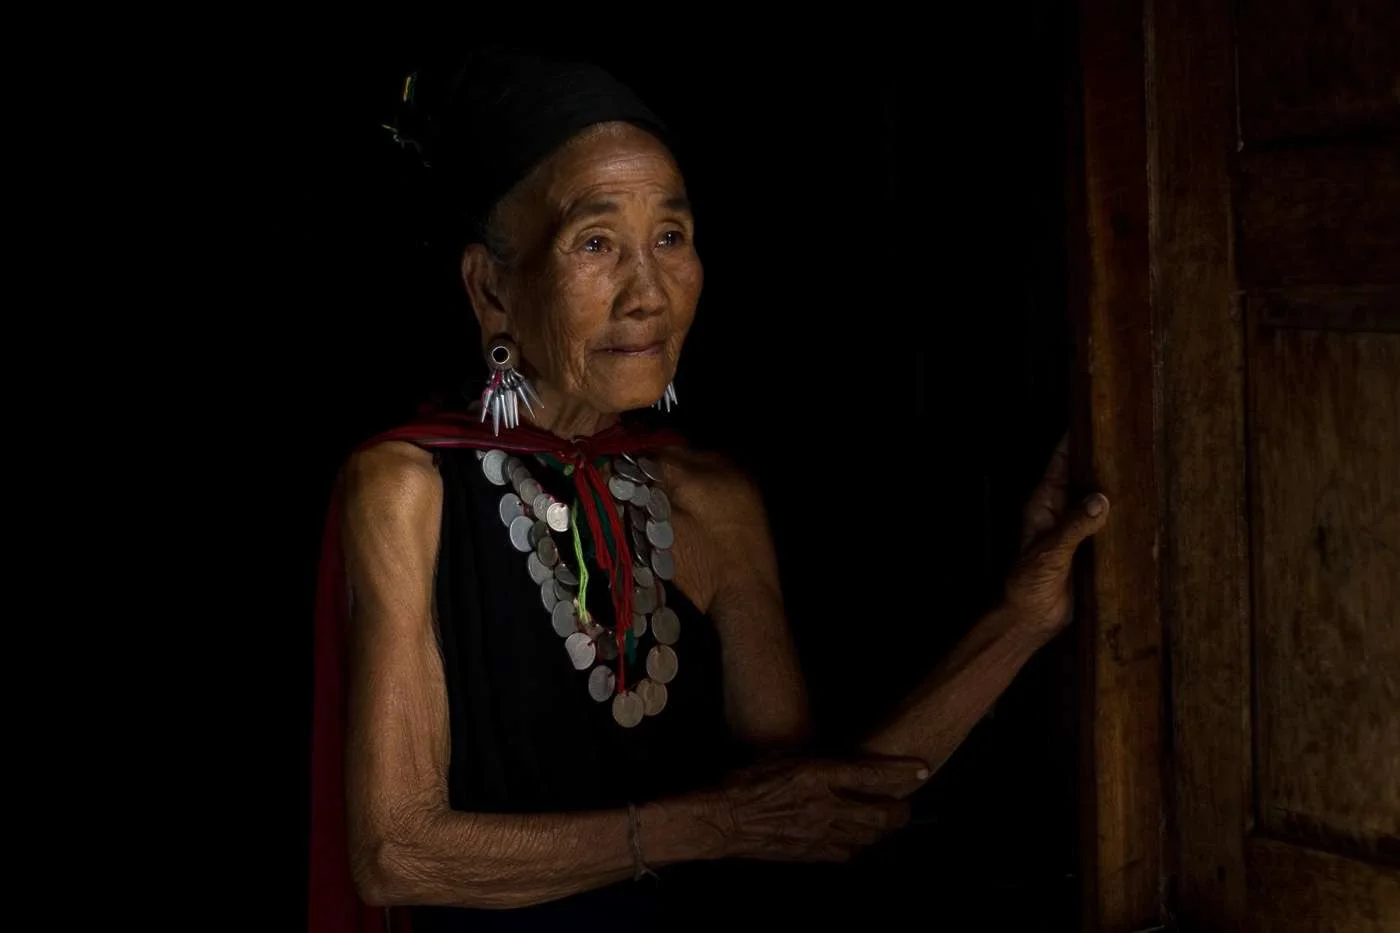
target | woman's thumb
[{"x": 1083, "y": 522}]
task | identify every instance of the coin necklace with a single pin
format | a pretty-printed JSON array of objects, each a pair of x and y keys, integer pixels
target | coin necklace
[{"x": 530, "y": 514}]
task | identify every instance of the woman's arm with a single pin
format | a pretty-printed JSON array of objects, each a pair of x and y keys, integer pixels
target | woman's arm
[
  {"x": 933, "y": 720},
  {"x": 728, "y": 550},
  {"x": 408, "y": 846},
  {"x": 938, "y": 715}
]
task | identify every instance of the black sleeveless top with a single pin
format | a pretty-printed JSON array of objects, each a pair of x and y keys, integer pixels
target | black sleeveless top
[{"x": 526, "y": 736}]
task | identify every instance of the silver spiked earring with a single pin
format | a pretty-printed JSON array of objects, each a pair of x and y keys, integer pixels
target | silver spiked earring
[
  {"x": 668, "y": 398},
  {"x": 507, "y": 388}
]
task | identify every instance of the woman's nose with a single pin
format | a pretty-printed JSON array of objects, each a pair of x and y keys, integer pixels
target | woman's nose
[{"x": 643, "y": 294}]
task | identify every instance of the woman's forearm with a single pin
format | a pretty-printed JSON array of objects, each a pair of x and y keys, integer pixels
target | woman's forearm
[
  {"x": 492, "y": 860},
  {"x": 942, "y": 710}
]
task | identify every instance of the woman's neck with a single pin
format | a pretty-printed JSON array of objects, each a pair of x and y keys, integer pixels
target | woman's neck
[{"x": 566, "y": 417}]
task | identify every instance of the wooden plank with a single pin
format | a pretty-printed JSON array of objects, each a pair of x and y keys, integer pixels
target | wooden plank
[
  {"x": 1204, "y": 545},
  {"x": 1327, "y": 307},
  {"x": 1320, "y": 216},
  {"x": 1120, "y": 625},
  {"x": 1293, "y": 888},
  {"x": 1310, "y": 69},
  {"x": 1326, "y": 524}
]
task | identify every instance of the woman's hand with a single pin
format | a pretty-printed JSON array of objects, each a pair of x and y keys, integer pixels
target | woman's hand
[
  {"x": 815, "y": 810},
  {"x": 1038, "y": 591}
]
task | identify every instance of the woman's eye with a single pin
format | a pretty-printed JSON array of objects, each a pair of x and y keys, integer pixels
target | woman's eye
[
  {"x": 671, "y": 238},
  {"x": 595, "y": 244}
]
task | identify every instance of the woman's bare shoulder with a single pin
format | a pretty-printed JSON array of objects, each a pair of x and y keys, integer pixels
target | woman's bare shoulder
[
  {"x": 707, "y": 484},
  {"x": 392, "y": 477}
]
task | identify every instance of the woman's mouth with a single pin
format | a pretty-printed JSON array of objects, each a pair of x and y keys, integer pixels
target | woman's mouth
[{"x": 635, "y": 350}]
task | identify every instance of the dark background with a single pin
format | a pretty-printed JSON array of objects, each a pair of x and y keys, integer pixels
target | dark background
[{"x": 881, "y": 341}]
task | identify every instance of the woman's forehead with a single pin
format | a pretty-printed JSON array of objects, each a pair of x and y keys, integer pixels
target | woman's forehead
[{"x": 619, "y": 163}]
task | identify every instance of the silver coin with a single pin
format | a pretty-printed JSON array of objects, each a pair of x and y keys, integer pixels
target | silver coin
[
  {"x": 653, "y": 696},
  {"x": 639, "y": 625},
  {"x": 549, "y": 596},
  {"x": 548, "y": 554},
  {"x": 581, "y": 651},
  {"x": 643, "y": 578},
  {"x": 520, "y": 534},
  {"x": 641, "y": 495},
  {"x": 601, "y": 683},
  {"x": 564, "y": 575},
  {"x": 607, "y": 646},
  {"x": 666, "y": 626},
  {"x": 663, "y": 563},
  {"x": 564, "y": 619},
  {"x": 658, "y": 506},
  {"x": 540, "y": 505},
  {"x": 643, "y": 599},
  {"x": 539, "y": 531},
  {"x": 621, "y": 487},
  {"x": 538, "y": 571},
  {"x": 651, "y": 468},
  {"x": 637, "y": 517},
  {"x": 629, "y": 470},
  {"x": 640, "y": 545},
  {"x": 627, "y": 709},
  {"x": 491, "y": 466},
  {"x": 529, "y": 489},
  {"x": 511, "y": 508},
  {"x": 510, "y": 466},
  {"x": 557, "y": 516},
  {"x": 660, "y": 534},
  {"x": 561, "y": 590},
  {"x": 662, "y": 664}
]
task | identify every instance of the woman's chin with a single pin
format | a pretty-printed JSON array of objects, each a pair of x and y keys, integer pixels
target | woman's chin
[
  {"x": 633, "y": 390},
  {"x": 633, "y": 398}
]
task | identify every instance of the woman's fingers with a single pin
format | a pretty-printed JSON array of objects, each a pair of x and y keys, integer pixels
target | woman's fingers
[
  {"x": 1047, "y": 502},
  {"x": 1088, "y": 519},
  {"x": 820, "y": 808},
  {"x": 881, "y": 816},
  {"x": 878, "y": 777}
]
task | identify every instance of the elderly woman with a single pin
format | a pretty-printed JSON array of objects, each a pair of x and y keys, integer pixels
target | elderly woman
[{"x": 564, "y": 654}]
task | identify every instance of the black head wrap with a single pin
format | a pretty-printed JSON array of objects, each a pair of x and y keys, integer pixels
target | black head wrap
[{"x": 482, "y": 127}]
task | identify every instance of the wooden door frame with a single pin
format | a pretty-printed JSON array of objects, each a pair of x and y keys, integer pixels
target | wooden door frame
[
  {"x": 1201, "y": 362},
  {"x": 1164, "y": 634},
  {"x": 1115, "y": 449}
]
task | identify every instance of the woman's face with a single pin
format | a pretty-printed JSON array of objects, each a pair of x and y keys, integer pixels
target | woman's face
[{"x": 604, "y": 279}]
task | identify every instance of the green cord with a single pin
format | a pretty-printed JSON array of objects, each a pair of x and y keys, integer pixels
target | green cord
[{"x": 580, "y": 601}]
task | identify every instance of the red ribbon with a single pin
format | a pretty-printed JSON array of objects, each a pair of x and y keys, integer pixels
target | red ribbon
[
  {"x": 334, "y": 906},
  {"x": 587, "y": 475}
]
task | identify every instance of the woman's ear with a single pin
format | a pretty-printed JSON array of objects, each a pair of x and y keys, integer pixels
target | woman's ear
[{"x": 481, "y": 274}]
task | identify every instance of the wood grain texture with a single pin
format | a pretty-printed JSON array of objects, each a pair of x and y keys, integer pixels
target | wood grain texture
[
  {"x": 1320, "y": 216},
  {"x": 1205, "y": 533},
  {"x": 1119, "y": 620},
  {"x": 1309, "y": 68},
  {"x": 1293, "y": 888},
  {"x": 1326, "y": 531},
  {"x": 1312, "y": 227},
  {"x": 1328, "y": 307}
]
